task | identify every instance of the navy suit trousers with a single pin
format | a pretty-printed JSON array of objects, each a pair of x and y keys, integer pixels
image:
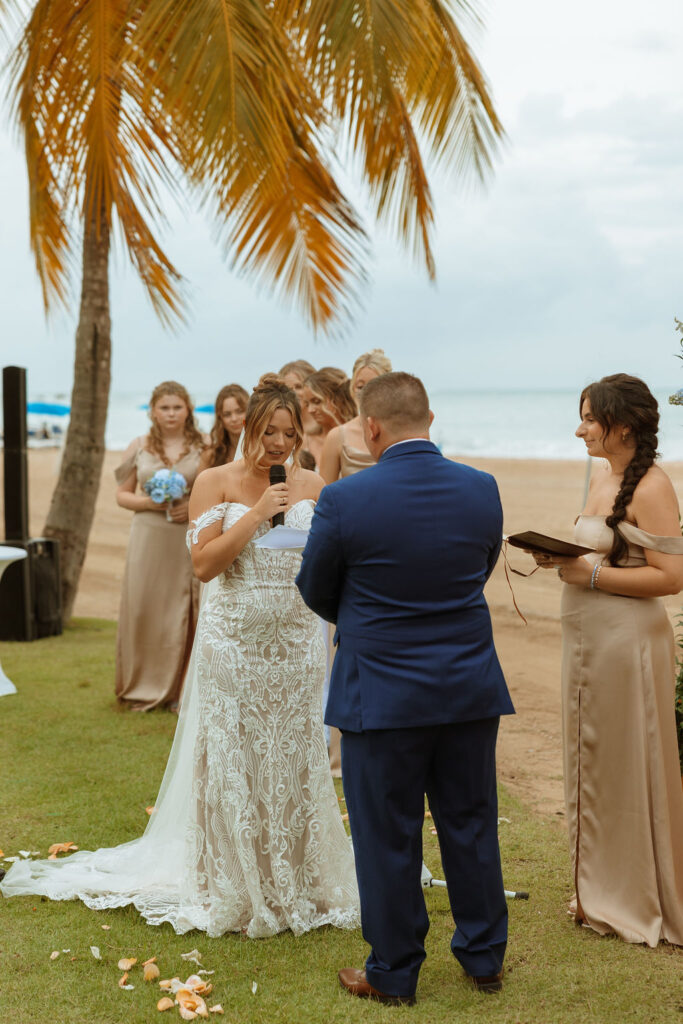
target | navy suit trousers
[{"x": 386, "y": 774}]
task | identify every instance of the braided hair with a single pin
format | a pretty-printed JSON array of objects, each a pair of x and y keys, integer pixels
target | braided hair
[{"x": 623, "y": 401}]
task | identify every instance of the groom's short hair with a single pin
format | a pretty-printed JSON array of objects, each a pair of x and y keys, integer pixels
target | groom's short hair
[{"x": 398, "y": 400}]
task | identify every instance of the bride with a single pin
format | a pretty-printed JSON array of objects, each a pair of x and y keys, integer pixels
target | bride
[{"x": 247, "y": 834}]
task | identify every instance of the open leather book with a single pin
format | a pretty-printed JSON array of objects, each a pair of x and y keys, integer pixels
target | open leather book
[{"x": 529, "y": 540}]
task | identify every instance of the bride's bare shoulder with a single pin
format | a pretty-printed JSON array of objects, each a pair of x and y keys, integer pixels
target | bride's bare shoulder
[{"x": 212, "y": 487}]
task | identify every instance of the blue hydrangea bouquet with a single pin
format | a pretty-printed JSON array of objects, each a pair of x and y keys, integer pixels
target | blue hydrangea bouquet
[{"x": 165, "y": 487}]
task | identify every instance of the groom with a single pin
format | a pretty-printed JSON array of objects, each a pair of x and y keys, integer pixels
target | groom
[{"x": 398, "y": 556}]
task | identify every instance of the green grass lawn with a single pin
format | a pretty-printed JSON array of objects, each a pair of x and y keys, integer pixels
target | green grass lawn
[{"x": 76, "y": 767}]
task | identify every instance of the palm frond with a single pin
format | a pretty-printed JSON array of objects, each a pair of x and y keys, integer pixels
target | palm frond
[{"x": 93, "y": 151}]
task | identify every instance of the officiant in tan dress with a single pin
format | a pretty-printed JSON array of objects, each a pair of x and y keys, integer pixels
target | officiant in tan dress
[
  {"x": 159, "y": 593},
  {"x": 622, "y": 775}
]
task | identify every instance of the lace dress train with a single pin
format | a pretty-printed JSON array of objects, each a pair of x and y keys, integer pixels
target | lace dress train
[{"x": 247, "y": 833}]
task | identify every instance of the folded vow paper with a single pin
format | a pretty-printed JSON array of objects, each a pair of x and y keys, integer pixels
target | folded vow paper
[{"x": 283, "y": 538}]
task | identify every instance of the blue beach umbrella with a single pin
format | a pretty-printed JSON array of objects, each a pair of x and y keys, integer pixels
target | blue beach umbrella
[
  {"x": 48, "y": 408},
  {"x": 204, "y": 408}
]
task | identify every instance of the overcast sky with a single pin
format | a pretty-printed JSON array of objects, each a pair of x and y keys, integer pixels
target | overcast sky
[{"x": 568, "y": 266}]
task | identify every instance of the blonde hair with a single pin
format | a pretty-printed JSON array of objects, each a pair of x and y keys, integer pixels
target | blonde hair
[
  {"x": 334, "y": 387},
  {"x": 300, "y": 367},
  {"x": 270, "y": 394},
  {"x": 375, "y": 360},
  {"x": 222, "y": 449},
  {"x": 193, "y": 439}
]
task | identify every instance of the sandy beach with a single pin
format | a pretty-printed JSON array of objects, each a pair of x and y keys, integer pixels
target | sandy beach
[{"x": 536, "y": 494}]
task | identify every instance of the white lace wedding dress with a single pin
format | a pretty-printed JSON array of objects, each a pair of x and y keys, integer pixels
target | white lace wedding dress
[{"x": 247, "y": 834}]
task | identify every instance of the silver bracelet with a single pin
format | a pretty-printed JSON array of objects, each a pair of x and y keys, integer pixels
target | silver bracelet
[{"x": 595, "y": 576}]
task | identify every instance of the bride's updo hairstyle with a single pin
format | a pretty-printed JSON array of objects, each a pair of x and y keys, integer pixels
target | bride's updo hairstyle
[
  {"x": 270, "y": 394},
  {"x": 620, "y": 401},
  {"x": 334, "y": 388},
  {"x": 192, "y": 434}
]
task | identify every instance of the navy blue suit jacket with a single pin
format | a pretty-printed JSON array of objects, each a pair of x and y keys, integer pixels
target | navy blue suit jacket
[{"x": 398, "y": 556}]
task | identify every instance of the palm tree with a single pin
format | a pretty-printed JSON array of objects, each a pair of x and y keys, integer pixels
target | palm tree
[{"x": 245, "y": 102}]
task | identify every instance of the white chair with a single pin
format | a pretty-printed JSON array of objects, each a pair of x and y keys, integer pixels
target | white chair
[{"x": 7, "y": 556}]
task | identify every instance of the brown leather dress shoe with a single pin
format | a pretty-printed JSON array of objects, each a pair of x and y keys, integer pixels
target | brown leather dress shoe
[
  {"x": 486, "y": 983},
  {"x": 356, "y": 984}
]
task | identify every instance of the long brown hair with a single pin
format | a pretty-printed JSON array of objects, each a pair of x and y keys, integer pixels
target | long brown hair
[
  {"x": 222, "y": 448},
  {"x": 270, "y": 394},
  {"x": 623, "y": 401},
  {"x": 193, "y": 439},
  {"x": 334, "y": 387}
]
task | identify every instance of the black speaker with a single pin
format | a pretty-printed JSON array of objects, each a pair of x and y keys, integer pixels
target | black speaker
[
  {"x": 30, "y": 592},
  {"x": 14, "y": 442}
]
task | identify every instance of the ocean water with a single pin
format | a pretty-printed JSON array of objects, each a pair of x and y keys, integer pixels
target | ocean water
[{"x": 505, "y": 424}]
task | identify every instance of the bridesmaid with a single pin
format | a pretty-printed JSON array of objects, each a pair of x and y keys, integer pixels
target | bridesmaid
[
  {"x": 158, "y": 610},
  {"x": 294, "y": 374},
  {"x": 231, "y": 406},
  {"x": 622, "y": 777},
  {"x": 344, "y": 451},
  {"x": 327, "y": 398}
]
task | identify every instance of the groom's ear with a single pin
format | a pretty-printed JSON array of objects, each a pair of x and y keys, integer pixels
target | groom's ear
[{"x": 373, "y": 427}]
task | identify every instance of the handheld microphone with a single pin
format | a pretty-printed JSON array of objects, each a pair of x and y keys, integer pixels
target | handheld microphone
[{"x": 278, "y": 475}]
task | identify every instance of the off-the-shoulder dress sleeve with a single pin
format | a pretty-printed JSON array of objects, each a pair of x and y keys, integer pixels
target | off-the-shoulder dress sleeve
[
  {"x": 667, "y": 545},
  {"x": 212, "y": 515},
  {"x": 123, "y": 471}
]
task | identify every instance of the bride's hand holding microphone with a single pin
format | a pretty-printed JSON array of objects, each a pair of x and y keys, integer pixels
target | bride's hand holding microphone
[{"x": 274, "y": 501}]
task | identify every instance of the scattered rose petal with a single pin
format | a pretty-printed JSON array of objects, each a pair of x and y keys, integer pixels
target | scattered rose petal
[
  {"x": 73, "y": 958},
  {"x": 96, "y": 952},
  {"x": 345, "y": 817},
  {"x": 254, "y": 986},
  {"x": 60, "y": 848},
  {"x": 172, "y": 985},
  {"x": 152, "y": 960},
  {"x": 194, "y": 956},
  {"x": 150, "y": 810},
  {"x": 150, "y": 972},
  {"x": 2, "y": 853},
  {"x": 25, "y": 853},
  {"x": 123, "y": 979},
  {"x": 428, "y": 814},
  {"x": 165, "y": 1003},
  {"x": 216, "y": 1009},
  {"x": 433, "y": 831},
  {"x": 125, "y": 963},
  {"x": 106, "y": 927},
  {"x": 66, "y": 951},
  {"x": 506, "y": 820},
  {"x": 205, "y": 972},
  {"x": 54, "y": 954},
  {"x": 128, "y": 988},
  {"x": 11, "y": 860},
  {"x": 186, "y": 1014}
]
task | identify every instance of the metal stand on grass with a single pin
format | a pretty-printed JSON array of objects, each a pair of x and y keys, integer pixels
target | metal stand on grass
[{"x": 429, "y": 882}]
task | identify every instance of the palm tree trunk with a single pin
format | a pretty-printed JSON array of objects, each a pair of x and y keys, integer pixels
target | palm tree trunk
[{"x": 73, "y": 502}]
